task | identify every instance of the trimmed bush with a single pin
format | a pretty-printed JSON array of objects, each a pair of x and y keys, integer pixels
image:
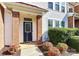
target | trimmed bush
[
  {"x": 73, "y": 42},
  {"x": 72, "y": 31},
  {"x": 57, "y": 35},
  {"x": 61, "y": 35}
]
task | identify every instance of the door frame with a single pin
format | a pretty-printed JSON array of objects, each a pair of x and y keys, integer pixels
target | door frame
[{"x": 32, "y": 28}]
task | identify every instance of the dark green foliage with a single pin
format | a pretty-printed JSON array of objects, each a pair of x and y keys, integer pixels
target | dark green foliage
[
  {"x": 61, "y": 34},
  {"x": 57, "y": 35},
  {"x": 73, "y": 42}
]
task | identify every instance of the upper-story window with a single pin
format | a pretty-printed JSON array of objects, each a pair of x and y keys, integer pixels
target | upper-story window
[
  {"x": 50, "y": 5},
  {"x": 63, "y": 7},
  {"x": 70, "y": 9},
  {"x": 57, "y": 6}
]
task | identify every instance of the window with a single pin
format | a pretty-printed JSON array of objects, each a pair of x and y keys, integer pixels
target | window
[
  {"x": 62, "y": 24},
  {"x": 28, "y": 27},
  {"x": 50, "y": 23},
  {"x": 56, "y": 23},
  {"x": 70, "y": 10},
  {"x": 50, "y": 5},
  {"x": 57, "y": 6},
  {"x": 62, "y": 7}
]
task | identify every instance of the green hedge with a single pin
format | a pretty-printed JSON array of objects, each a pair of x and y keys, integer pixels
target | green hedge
[
  {"x": 57, "y": 35},
  {"x": 73, "y": 42},
  {"x": 72, "y": 31}
]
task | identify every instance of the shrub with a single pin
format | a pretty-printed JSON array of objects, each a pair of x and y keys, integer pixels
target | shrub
[
  {"x": 74, "y": 42},
  {"x": 61, "y": 34},
  {"x": 62, "y": 47},
  {"x": 72, "y": 31},
  {"x": 46, "y": 45},
  {"x": 57, "y": 35},
  {"x": 77, "y": 33},
  {"x": 53, "y": 51}
]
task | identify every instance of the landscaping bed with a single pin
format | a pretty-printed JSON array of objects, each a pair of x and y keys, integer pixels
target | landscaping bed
[
  {"x": 43, "y": 51},
  {"x": 68, "y": 52},
  {"x": 62, "y": 42},
  {"x": 11, "y": 51}
]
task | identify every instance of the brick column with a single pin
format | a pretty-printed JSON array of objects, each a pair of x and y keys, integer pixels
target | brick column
[
  {"x": 15, "y": 39},
  {"x": 39, "y": 27},
  {"x": 70, "y": 22}
]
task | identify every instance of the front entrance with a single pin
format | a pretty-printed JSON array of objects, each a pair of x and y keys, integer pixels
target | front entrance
[{"x": 27, "y": 25}]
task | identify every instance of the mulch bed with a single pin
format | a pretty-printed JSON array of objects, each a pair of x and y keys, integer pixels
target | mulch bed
[
  {"x": 70, "y": 50},
  {"x": 5, "y": 52}
]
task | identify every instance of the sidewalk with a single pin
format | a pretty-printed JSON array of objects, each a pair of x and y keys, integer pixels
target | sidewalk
[{"x": 30, "y": 50}]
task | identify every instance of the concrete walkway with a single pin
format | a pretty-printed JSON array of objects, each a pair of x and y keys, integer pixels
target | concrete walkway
[{"x": 30, "y": 50}]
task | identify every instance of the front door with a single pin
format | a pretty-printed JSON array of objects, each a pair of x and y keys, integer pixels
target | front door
[{"x": 27, "y": 31}]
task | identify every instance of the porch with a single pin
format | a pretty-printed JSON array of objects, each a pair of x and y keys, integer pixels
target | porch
[{"x": 22, "y": 23}]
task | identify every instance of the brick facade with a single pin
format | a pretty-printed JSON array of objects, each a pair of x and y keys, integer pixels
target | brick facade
[
  {"x": 77, "y": 23},
  {"x": 15, "y": 40},
  {"x": 39, "y": 27},
  {"x": 70, "y": 22},
  {"x": 76, "y": 9}
]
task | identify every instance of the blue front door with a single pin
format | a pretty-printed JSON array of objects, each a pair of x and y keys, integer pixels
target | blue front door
[{"x": 27, "y": 31}]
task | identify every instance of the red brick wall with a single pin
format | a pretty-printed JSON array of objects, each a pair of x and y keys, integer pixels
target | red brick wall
[
  {"x": 15, "y": 28},
  {"x": 39, "y": 27},
  {"x": 77, "y": 23},
  {"x": 70, "y": 22},
  {"x": 76, "y": 9}
]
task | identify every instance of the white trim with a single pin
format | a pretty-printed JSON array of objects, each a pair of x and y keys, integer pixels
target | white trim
[
  {"x": 3, "y": 5},
  {"x": 27, "y": 12},
  {"x": 60, "y": 6},
  {"x": 8, "y": 27},
  {"x": 53, "y": 5},
  {"x": 21, "y": 34}
]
